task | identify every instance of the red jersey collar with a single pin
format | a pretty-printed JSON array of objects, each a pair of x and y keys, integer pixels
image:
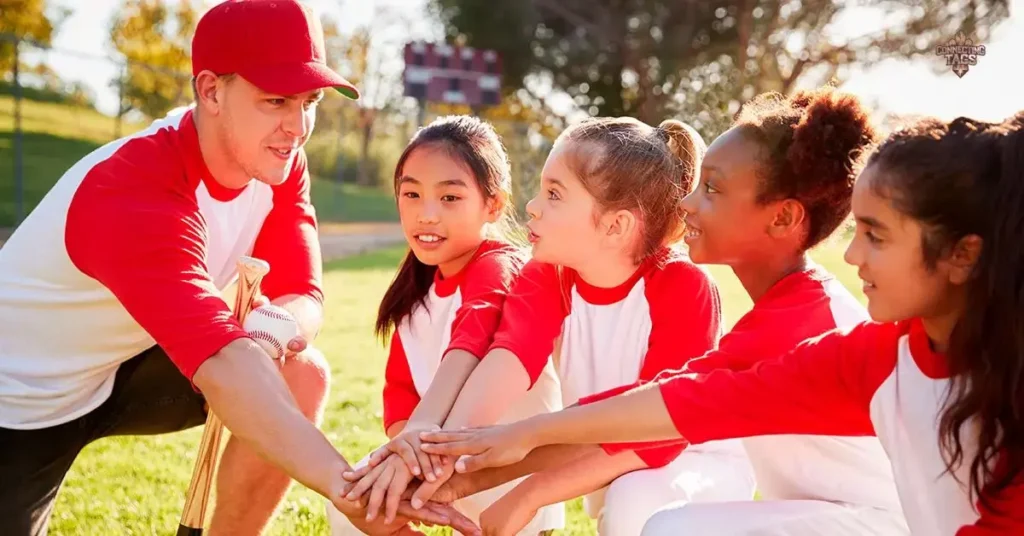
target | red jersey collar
[
  {"x": 933, "y": 364},
  {"x": 608, "y": 295},
  {"x": 446, "y": 286},
  {"x": 194, "y": 163},
  {"x": 813, "y": 273}
]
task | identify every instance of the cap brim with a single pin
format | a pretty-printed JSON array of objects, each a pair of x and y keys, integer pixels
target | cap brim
[{"x": 295, "y": 78}]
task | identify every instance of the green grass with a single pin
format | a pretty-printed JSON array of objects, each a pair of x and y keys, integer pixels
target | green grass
[
  {"x": 55, "y": 136},
  {"x": 136, "y": 485},
  {"x": 352, "y": 203}
]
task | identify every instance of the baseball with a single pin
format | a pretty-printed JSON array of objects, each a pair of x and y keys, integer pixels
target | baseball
[{"x": 271, "y": 327}]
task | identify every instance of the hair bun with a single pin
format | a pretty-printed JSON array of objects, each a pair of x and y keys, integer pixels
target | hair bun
[{"x": 830, "y": 138}]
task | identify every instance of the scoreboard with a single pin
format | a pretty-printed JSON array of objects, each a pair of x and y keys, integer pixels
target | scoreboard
[{"x": 443, "y": 73}]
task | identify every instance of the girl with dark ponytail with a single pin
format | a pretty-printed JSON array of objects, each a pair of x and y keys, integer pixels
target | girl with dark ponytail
[
  {"x": 453, "y": 189},
  {"x": 937, "y": 374}
]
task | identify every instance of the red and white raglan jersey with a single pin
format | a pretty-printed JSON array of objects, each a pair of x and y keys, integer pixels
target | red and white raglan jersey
[
  {"x": 461, "y": 312},
  {"x": 800, "y": 306},
  {"x": 876, "y": 379},
  {"x": 130, "y": 249},
  {"x": 666, "y": 313}
]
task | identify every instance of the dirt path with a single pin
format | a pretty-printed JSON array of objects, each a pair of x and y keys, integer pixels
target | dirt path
[{"x": 344, "y": 240}]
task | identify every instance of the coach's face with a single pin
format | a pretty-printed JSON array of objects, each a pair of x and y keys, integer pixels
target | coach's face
[{"x": 262, "y": 132}]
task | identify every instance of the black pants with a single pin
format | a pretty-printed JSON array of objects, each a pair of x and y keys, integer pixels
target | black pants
[{"x": 150, "y": 396}]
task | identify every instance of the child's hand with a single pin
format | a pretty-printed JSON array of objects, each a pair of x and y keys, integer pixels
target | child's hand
[
  {"x": 507, "y": 516},
  {"x": 426, "y": 491},
  {"x": 388, "y": 489},
  {"x": 360, "y": 481},
  {"x": 492, "y": 446},
  {"x": 407, "y": 445},
  {"x": 432, "y": 514}
]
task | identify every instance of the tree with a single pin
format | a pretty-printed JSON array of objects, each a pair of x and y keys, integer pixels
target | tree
[
  {"x": 26, "y": 19},
  {"x": 651, "y": 58},
  {"x": 154, "y": 40},
  {"x": 371, "y": 58}
]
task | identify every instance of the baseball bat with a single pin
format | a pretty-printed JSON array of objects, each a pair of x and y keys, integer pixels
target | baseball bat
[{"x": 193, "y": 518}]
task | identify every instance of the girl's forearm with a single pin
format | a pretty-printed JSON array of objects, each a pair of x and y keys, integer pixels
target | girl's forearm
[
  {"x": 497, "y": 382},
  {"x": 637, "y": 415},
  {"x": 578, "y": 477},
  {"x": 456, "y": 367},
  {"x": 395, "y": 429},
  {"x": 541, "y": 459}
]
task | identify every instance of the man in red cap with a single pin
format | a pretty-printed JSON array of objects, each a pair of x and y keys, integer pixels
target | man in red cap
[{"x": 111, "y": 309}]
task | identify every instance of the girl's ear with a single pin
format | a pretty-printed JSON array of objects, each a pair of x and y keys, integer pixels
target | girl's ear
[
  {"x": 620, "y": 226},
  {"x": 963, "y": 257},
  {"x": 494, "y": 206},
  {"x": 789, "y": 218}
]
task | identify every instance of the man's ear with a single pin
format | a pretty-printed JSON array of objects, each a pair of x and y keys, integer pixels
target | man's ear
[
  {"x": 208, "y": 95},
  {"x": 963, "y": 257}
]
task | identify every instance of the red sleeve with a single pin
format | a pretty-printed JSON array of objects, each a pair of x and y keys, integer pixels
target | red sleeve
[
  {"x": 686, "y": 317},
  {"x": 822, "y": 387},
  {"x": 288, "y": 240},
  {"x": 148, "y": 247},
  {"x": 532, "y": 317},
  {"x": 486, "y": 285},
  {"x": 732, "y": 352},
  {"x": 1004, "y": 511},
  {"x": 400, "y": 395}
]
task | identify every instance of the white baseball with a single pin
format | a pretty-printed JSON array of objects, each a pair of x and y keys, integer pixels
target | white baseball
[{"x": 271, "y": 327}]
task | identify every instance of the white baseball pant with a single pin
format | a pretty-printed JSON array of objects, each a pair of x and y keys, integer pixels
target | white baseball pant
[
  {"x": 624, "y": 506},
  {"x": 775, "y": 518}
]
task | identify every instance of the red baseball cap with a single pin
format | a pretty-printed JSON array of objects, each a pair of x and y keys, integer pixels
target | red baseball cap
[{"x": 277, "y": 45}]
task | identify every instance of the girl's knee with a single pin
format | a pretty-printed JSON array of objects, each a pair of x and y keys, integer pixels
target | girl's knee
[
  {"x": 628, "y": 502},
  {"x": 685, "y": 519}
]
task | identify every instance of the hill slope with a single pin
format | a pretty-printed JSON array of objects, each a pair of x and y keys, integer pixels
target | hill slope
[{"x": 55, "y": 136}]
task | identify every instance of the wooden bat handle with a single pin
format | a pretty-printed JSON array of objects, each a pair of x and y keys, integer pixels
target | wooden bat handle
[{"x": 193, "y": 518}]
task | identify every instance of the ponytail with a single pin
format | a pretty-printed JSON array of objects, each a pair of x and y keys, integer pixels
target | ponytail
[
  {"x": 409, "y": 288},
  {"x": 686, "y": 144}
]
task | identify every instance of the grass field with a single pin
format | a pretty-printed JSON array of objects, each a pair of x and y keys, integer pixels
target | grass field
[
  {"x": 136, "y": 485},
  {"x": 55, "y": 136}
]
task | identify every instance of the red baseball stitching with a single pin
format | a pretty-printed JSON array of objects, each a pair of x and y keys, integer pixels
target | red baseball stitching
[
  {"x": 273, "y": 313},
  {"x": 262, "y": 335}
]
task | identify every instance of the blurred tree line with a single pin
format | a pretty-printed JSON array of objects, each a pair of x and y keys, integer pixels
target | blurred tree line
[{"x": 696, "y": 60}]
